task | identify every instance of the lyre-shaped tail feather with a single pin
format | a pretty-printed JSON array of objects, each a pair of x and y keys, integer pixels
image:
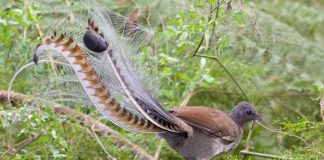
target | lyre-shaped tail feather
[
  {"x": 92, "y": 85},
  {"x": 128, "y": 102},
  {"x": 133, "y": 89},
  {"x": 131, "y": 86}
]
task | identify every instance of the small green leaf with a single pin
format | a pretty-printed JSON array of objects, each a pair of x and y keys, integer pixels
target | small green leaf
[
  {"x": 54, "y": 134},
  {"x": 208, "y": 78}
]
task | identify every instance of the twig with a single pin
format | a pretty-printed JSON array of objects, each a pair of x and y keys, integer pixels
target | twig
[
  {"x": 257, "y": 29},
  {"x": 209, "y": 19},
  {"x": 228, "y": 72},
  {"x": 270, "y": 156},
  {"x": 37, "y": 26},
  {"x": 158, "y": 150},
  {"x": 248, "y": 139},
  {"x": 26, "y": 3},
  {"x": 135, "y": 156},
  {"x": 186, "y": 99},
  {"x": 216, "y": 16},
  {"x": 94, "y": 134},
  {"x": 246, "y": 151},
  {"x": 229, "y": 5},
  {"x": 199, "y": 45},
  {"x": 22, "y": 144},
  {"x": 280, "y": 132}
]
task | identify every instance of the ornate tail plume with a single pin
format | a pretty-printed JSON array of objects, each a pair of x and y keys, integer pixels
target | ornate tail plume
[
  {"x": 131, "y": 86},
  {"x": 96, "y": 91},
  {"x": 103, "y": 57}
]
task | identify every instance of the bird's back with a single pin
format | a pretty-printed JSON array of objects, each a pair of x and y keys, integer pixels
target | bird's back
[
  {"x": 214, "y": 132},
  {"x": 213, "y": 121}
]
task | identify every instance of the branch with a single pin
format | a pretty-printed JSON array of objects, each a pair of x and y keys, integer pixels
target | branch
[
  {"x": 270, "y": 156},
  {"x": 12, "y": 151},
  {"x": 280, "y": 132},
  {"x": 14, "y": 97},
  {"x": 248, "y": 139},
  {"x": 209, "y": 19},
  {"x": 94, "y": 135},
  {"x": 99, "y": 127},
  {"x": 186, "y": 99},
  {"x": 158, "y": 150},
  {"x": 28, "y": 8},
  {"x": 228, "y": 72}
]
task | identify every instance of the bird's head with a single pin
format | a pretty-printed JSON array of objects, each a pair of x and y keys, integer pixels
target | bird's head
[{"x": 244, "y": 112}]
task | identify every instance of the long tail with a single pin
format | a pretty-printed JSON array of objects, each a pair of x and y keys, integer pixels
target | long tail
[
  {"x": 96, "y": 91},
  {"x": 128, "y": 80},
  {"x": 105, "y": 61}
]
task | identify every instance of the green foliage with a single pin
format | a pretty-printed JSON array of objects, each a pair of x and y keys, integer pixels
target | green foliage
[
  {"x": 273, "y": 48},
  {"x": 311, "y": 132},
  {"x": 17, "y": 26}
]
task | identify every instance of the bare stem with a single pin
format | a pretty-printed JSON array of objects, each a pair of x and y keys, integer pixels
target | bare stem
[
  {"x": 33, "y": 17},
  {"x": 186, "y": 99},
  {"x": 158, "y": 150},
  {"x": 263, "y": 155},
  {"x": 94, "y": 134},
  {"x": 248, "y": 139},
  {"x": 209, "y": 19},
  {"x": 12, "y": 151},
  {"x": 228, "y": 72},
  {"x": 280, "y": 132}
]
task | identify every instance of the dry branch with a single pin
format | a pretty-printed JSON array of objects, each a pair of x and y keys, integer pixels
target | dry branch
[
  {"x": 12, "y": 151},
  {"x": 99, "y": 127},
  {"x": 14, "y": 96}
]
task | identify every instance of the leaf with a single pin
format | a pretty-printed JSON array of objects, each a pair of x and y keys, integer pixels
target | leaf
[
  {"x": 203, "y": 62},
  {"x": 208, "y": 78},
  {"x": 56, "y": 153},
  {"x": 54, "y": 134}
]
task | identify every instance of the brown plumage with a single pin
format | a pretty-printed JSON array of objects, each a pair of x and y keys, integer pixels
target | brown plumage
[
  {"x": 214, "y": 131},
  {"x": 208, "y": 120}
]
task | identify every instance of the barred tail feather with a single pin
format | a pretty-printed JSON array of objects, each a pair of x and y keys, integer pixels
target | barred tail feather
[{"x": 96, "y": 91}]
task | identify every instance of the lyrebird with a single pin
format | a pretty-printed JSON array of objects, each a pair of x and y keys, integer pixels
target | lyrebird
[{"x": 100, "y": 57}]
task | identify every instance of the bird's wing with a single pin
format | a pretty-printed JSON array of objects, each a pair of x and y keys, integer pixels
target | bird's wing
[
  {"x": 111, "y": 79},
  {"x": 212, "y": 121}
]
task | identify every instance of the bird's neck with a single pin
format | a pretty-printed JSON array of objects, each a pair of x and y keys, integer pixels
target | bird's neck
[{"x": 234, "y": 116}]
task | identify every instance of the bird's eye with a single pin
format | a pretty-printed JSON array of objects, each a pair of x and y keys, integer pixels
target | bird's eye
[{"x": 248, "y": 112}]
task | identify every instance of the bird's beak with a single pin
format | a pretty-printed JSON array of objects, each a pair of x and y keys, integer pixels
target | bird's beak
[{"x": 258, "y": 117}]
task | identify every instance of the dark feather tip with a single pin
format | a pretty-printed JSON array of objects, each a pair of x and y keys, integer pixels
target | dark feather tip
[{"x": 35, "y": 57}]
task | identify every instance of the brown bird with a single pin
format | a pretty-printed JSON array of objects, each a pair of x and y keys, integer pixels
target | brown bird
[
  {"x": 114, "y": 87},
  {"x": 214, "y": 131}
]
